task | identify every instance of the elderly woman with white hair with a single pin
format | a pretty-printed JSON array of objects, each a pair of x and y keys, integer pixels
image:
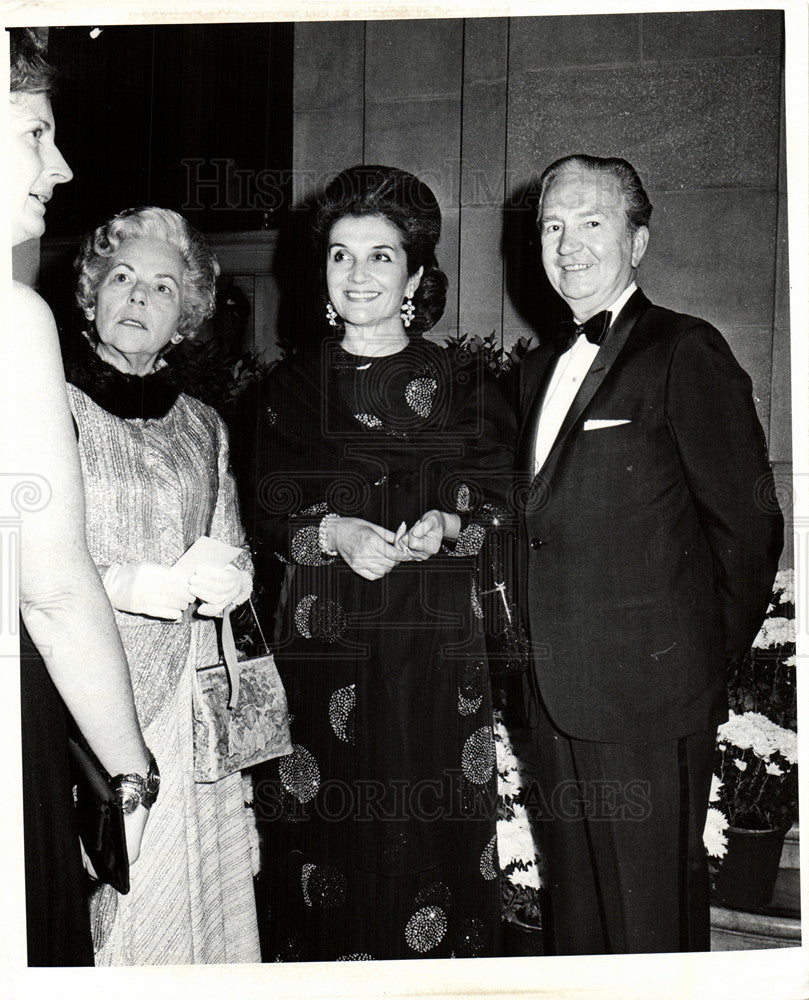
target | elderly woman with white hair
[{"x": 156, "y": 470}]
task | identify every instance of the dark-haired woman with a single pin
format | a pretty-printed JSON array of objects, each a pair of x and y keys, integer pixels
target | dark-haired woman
[{"x": 380, "y": 463}]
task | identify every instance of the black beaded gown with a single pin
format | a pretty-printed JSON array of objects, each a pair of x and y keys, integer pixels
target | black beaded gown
[
  {"x": 57, "y": 916},
  {"x": 380, "y": 828}
]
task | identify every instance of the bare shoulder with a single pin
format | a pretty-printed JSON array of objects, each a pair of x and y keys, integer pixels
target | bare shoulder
[
  {"x": 32, "y": 337},
  {"x": 28, "y": 307},
  {"x": 31, "y": 321}
]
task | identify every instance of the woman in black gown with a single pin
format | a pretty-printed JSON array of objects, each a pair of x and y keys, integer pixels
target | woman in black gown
[
  {"x": 70, "y": 652},
  {"x": 381, "y": 461}
]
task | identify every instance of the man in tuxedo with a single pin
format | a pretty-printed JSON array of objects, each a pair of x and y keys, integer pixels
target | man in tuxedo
[{"x": 649, "y": 544}]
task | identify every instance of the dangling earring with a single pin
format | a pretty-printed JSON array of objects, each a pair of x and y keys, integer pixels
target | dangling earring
[
  {"x": 331, "y": 314},
  {"x": 408, "y": 311},
  {"x": 90, "y": 333},
  {"x": 177, "y": 338}
]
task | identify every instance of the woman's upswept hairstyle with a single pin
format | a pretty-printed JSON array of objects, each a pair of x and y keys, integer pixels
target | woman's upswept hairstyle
[
  {"x": 637, "y": 206},
  {"x": 407, "y": 203},
  {"x": 201, "y": 265},
  {"x": 31, "y": 73}
]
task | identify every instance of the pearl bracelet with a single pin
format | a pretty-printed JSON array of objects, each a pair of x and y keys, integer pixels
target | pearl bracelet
[{"x": 323, "y": 531}]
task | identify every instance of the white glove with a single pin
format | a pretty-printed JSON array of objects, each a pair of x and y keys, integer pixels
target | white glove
[
  {"x": 148, "y": 589},
  {"x": 217, "y": 588}
]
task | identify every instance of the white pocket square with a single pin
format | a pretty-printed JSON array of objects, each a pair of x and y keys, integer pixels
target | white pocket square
[{"x": 597, "y": 425}]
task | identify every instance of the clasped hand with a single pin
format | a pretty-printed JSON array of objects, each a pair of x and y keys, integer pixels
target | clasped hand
[
  {"x": 367, "y": 548},
  {"x": 373, "y": 551},
  {"x": 166, "y": 592},
  {"x": 425, "y": 537}
]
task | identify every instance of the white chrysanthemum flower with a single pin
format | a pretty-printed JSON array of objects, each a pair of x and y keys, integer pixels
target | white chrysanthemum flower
[
  {"x": 788, "y": 747},
  {"x": 713, "y": 836},
  {"x": 785, "y": 582},
  {"x": 502, "y": 742},
  {"x": 789, "y": 661},
  {"x": 775, "y": 632},
  {"x": 774, "y": 769},
  {"x": 508, "y": 786},
  {"x": 758, "y": 733},
  {"x": 512, "y": 772},
  {"x": 514, "y": 839},
  {"x": 716, "y": 788},
  {"x": 529, "y": 879},
  {"x": 741, "y": 764}
]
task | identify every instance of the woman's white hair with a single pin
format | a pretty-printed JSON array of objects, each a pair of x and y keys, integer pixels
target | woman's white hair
[{"x": 201, "y": 266}]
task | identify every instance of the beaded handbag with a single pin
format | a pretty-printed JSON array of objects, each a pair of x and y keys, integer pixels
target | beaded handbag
[{"x": 240, "y": 715}]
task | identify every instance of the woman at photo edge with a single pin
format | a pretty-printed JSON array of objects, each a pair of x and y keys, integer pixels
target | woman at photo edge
[{"x": 71, "y": 655}]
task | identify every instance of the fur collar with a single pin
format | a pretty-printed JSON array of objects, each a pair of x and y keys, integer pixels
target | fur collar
[{"x": 130, "y": 397}]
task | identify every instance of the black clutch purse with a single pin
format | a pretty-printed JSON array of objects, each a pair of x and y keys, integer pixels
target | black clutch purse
[{"x": 100, "y": 818}]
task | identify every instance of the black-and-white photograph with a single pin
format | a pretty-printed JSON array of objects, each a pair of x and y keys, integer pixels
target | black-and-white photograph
[{"x": 401, "y": 498}]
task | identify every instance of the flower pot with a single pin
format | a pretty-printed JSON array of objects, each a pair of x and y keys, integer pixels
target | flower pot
[{"x": 746, "y": 879}]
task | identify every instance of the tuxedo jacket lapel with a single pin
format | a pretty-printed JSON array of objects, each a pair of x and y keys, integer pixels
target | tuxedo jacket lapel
[
  {"x": 601, "y": 365},
  {"x": 531, "y": 405}
]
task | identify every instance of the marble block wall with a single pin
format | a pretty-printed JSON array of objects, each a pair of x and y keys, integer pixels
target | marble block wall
[{"x": 477, "y": 107}]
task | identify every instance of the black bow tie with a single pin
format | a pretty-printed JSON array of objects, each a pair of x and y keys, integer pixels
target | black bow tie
[{"x": 595, "y": 330}]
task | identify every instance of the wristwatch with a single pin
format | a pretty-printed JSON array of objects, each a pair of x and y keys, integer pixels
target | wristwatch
[{"x": 133, "y": 790}]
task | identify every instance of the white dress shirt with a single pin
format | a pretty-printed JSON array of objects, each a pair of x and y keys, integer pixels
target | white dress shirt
[{"x": 571, "y": 368}]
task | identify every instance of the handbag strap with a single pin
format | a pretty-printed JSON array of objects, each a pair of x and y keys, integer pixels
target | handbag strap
[
  {"x": 229, "y": 656},
  {"x": 264, "y": 642}
]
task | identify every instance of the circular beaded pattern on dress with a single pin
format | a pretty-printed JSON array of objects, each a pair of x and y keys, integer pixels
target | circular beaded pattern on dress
[
  {"x": 327, "y": 886},
  {"x": 299, "y": 773},
  {"x": 292, "y": 949},
  {"x": 341, "y": 713},
  {"x": 419, "y": 394},
  {"x": 477, "y": 609},
  {"x": 327, "y": 620},
  {"x": 426, "y": 928},
  {"x": 369, "y": 420},
  {"x": 306, "y": 871},
  {"x": 469, "y": 938},
  {"x": 464, "y": 499},
  {"x": 469, "y": 541},
  {"x": 468, "y": 706},
  {"x": 317, "y": 508},
  {"x": 356, "y": 956},
  {"x": 302, "y": 610},
  {"x": 305, "y": 547},
  {"x": 477, "y": 759},
  {"x": 488, "y": 868},
  {"x": 320, "y": 619}
]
